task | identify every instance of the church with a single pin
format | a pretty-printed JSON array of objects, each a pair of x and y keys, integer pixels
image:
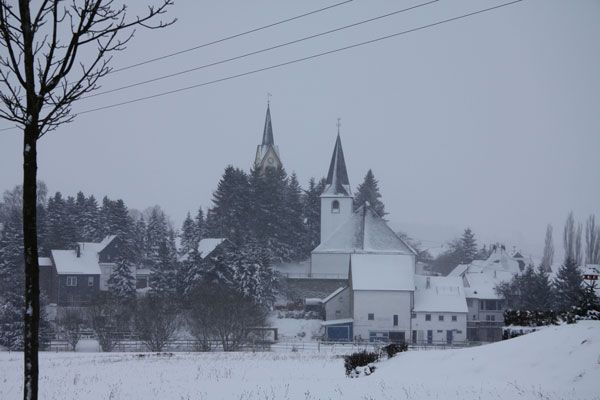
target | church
[{"x": 374, "y": 292}]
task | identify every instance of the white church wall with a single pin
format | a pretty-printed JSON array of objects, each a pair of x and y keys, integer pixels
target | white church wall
[
  {"x": 332, "y": 218},
  {"x": 330, "y": 265},
  {"x": 383, "y": 305}
]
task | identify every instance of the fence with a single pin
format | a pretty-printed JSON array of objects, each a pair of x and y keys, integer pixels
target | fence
[{"x": 282, "y": 346}]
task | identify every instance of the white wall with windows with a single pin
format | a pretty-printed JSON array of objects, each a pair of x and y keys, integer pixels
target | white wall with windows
[
  {"x": 374, "y": 313},
  {"x": 440, "y": 328}
]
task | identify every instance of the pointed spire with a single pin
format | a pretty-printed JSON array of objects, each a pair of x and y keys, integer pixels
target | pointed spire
[
  {"x": 268, "y": 131},
  {"x": 337, "y": 178}
]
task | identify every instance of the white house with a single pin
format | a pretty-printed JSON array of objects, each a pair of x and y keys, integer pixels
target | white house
[
  {"x": 384, "y": 299},
  {"x": 486, "y": 307}
]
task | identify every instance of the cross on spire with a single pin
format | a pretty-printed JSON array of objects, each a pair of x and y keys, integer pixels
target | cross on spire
[
  {"x": 269, "y": 95},
  {"x": 339, "y": 124}
]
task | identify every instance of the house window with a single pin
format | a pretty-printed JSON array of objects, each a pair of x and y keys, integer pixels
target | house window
[
  {"x": 440, "y": 318},
  {"x": 474, "y": 317},
  {"x": 90, "y": 281},
  {"x": 335, "y": 207},
  {"x": 493, "y": 317},
  {"x": 454, "y": 318},
  {"x": 395, "y": 320},
  {"x": 490, "y": 318},
  {"x": 71, "y": 281},
  {"x": 427, "y": 317},
  {"x": 413, "y": 315},
  {"x": 371, "y": 316},
  {"x": 338, "y": 312}
]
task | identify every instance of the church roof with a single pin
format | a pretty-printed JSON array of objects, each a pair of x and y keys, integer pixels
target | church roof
[
  {"x": 337, "y": 179},
  {"x": 364, "y": 232},
  {"x": 268, "y": 131}
]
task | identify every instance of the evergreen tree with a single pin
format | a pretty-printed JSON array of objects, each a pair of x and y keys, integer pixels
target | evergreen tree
[
  {"x": 568, "y": 285},
  {"x": 229, "y": 216},
  {"x": 312, "y": 214},
  {"x": 60, "y": 226},
  {"x": 294, "y": 231},
  {"x": 369, "y": 191},
  {"x": 188, "y": 235},
  {"x": 200, "y": 225},
  {"x": 90, "y": 221},
  {"x": 468, "y": 247},
  {"x": 544, "y": 294},
  {"x": 121, "y": 282},
  {"x": 156, "y": 236},
  {"x": 163, "y": 279}
]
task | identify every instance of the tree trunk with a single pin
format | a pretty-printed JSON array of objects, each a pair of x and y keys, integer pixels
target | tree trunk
[{"x": 32, "y": 282}]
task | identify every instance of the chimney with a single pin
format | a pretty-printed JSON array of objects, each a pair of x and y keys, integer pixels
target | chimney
[
  {"x": 428, "y": 283},
  {"x": 78, "y": 250}
]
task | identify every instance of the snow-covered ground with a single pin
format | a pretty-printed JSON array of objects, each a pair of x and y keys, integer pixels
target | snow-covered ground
[{"x": 555, "y": 363}]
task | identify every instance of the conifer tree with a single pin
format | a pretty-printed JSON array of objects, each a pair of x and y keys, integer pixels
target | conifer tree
[
  {"x": 188, "y": 235},
  {"x": 229, "y": 216},
  {"x": 368, "y": 191},
  {"x": 568, "y": 285},
  {"x": 468, "y": 247},
  {"x": 544, "y": 294},
  {"x": 312, "y": 214},
  {"x": 294, "y": 231},
  {"x": 200, "y": 225},
  {"x": 121, "y": 282}
]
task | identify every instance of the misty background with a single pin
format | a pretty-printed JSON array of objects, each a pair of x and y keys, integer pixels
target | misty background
[{"x": 490, "y": 122}]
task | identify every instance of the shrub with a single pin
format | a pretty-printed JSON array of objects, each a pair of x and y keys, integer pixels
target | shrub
[
  {"x": 394, "y": 348},
  {"x": 359, "y": 359}
]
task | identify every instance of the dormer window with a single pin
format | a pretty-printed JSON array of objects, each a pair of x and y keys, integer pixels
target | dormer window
[{"x": 335, "y": 207}]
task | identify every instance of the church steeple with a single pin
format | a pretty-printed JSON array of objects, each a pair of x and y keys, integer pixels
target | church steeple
[
  {"x": 336, "y": 199},
  {"x": 267, "y": 153},
  {"x": 268, "y": 131},
  {"x": 337, "y": 182}
]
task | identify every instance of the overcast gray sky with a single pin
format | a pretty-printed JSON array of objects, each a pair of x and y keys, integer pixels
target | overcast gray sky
[{"x": 491, "y": 122}]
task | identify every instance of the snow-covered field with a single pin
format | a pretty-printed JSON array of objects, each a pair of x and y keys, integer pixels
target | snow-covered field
[{"x": 555, "y": 363}]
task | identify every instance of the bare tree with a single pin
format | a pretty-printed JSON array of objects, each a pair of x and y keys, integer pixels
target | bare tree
[
  {"x": 569, "y": 238},
  {"x": 592, "y": 241},
  {"x": 72, "y": 323},
  {"x": 156, "y": 321},
  {"x": 224, "y": 314},
  {"x": 52, "y": 56},
  {"x": 548, "y": 257}
]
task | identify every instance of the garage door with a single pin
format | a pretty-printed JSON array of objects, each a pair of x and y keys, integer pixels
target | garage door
[{"x": 338, "y": 333}]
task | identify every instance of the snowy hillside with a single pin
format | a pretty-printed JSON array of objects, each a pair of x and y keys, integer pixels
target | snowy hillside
[{"x": 555, "y": 363}]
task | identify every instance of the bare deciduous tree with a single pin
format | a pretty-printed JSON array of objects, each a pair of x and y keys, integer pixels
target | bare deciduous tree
[
  {"x": 224, "y": 314},
  {"x": 156, "y": 321},
  {"x": 548, "y": 257},
  {"x": 52, "y": 55},
  {"x": 592, "y": 241},
  {"x": 72, "y": 323}
]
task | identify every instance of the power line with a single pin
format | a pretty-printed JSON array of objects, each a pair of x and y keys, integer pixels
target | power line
[
  {"x": 314, "y": 56},
  {"x": 260, "y": 51},
  {"x": 151, "y": 60}
]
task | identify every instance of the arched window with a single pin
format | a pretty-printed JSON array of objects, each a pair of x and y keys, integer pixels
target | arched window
[{"x": 335, "y": 207}]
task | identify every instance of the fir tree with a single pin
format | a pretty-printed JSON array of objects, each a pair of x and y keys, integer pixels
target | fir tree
[
  {"x": 229, "y": 216},
  {"x": 568, "y": 285},
  {"x": 188, "y": 235},
  {"x": 295, "y": 232},
  {"x": 312, "y": 214},
  {"x": 468, "y": 247},
  {"x": 200, "y": 225},
  {"x": 368, "y": 191},
  {"x": 121, "y": 282},
  {"x": 544, "y": 294}
]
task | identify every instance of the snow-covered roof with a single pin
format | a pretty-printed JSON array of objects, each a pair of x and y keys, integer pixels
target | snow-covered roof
[
  {"x": 332, "y": 295},
  {"x": 481, "y": 277},
  {"x": 364, "y": 232},
  {"x": 482, "y": 285},
  {"x": 337, "y": 321},
  {"x": 382, "y": 272},
  {"x": 68, "y": 263},
  {"x": 208, "y": 245},
  {"x": 442, "y": 294},
  {"x": 44, "y": 261}
]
